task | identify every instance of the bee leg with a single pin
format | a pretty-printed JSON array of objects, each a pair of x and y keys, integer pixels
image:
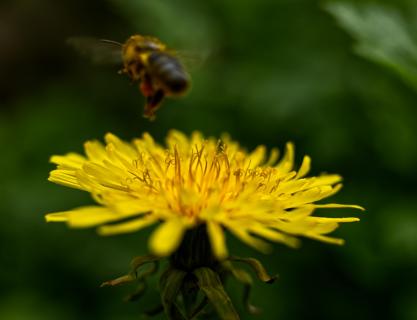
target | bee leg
[
  {"x": 146, "y": 86},
  {"x": 153, "y": 103}
]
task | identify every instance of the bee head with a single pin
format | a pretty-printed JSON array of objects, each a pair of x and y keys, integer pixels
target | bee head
[{"x": 138, "y": 44}]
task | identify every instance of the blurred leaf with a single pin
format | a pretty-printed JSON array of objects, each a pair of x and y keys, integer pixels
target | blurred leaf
[
  {"x": 382, "y": 35},
  {"x": 259, "y": 269}
]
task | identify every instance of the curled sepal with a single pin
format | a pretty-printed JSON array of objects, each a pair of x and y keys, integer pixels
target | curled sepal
[
  {"x": 139, "y": 261},
  {"x": 170, "y": 284},
  {"x": 258, "y": 268},
  {"x": 209, "y": 282},
  {"x": 141, "y": 279},
  {"x": 245, "y": 278},
  {"x": 118, "y": 281},
  {"x": 135, "y": 264}
]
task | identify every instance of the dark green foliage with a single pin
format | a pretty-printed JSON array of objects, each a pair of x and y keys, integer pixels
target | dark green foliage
[{"x": 321, "y": 74}]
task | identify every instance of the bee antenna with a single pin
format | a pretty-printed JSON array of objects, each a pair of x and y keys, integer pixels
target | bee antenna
[{"x": 111, "y": 42}]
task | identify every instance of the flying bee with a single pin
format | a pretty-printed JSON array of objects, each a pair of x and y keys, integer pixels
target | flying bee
[{"x": 147, "y": 61}]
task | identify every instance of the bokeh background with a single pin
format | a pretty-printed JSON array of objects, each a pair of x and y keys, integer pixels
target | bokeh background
[{"x": 337, "y": 78}]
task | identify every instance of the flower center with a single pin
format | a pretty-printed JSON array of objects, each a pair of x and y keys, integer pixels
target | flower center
[{"x": 189, "y": 182}]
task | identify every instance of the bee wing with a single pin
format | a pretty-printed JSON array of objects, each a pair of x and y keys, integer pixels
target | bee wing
[
  {"x": 191, "y": 60},
  {"x": 100, "y": 51}
]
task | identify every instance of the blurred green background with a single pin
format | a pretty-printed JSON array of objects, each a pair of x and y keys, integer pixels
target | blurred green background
[{"x": 337, "y": 78}]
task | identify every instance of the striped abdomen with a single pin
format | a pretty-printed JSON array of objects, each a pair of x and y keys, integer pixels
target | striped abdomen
[{"x": 169, "y": 73}]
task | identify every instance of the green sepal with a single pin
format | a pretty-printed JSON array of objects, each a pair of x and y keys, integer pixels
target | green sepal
[
  {"x": 209, "y": 282},
  {"x": 170, "y": 284},
  {"x": 245, "y": 278},
  {"x": 119, "y": 281},
  {"x": 189, "y": 293},
  {"x": 258, "y": 268},
  {"x": 132, "y": 275},
  {"x": 199, "y": 308},
  {"x": 240, "y": 274},
  {"x": 139, "y": 261}
]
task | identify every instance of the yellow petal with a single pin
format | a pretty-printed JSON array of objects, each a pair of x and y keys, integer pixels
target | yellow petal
[
  {"x": 126, "y": 227},
  {"x": 244, "y": 236},
  {"x": 276, "y": 236},
  {"x": 310, "y": 195},
  {"x": 325, "y": 219},
  {"x": 324, "y": 227},
  {"x": 305, "y": 167},
  {"x": 121, "y": 146},
  {"x": 69, "y": 161},
  {"x": 102, "y": 173},
  {"x": 167, "y": 237},
  {"x": 255, "y": 158},
  {"x": 178, "y": 140},
  {"x": 66, "y": 178},
  {"x": 287, "y": 162},
  {"x": 95, "y": 151},
  {"x": 338, "y": 205},
  {"x": 217, "y": 239},
  {"x": 299, "y": 213},
  {"x": 57, "y": 217},
  {"x": 133, "y": 205},
  {"x": 326, "y": 239},
  {"x": 84, "y": 217},
  {"x": 273, "y": 157},
  {"x": 325, "y": 179}
]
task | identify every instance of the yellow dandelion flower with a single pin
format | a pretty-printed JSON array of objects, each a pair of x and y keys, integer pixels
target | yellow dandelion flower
[{"x": 193, "y": 181}]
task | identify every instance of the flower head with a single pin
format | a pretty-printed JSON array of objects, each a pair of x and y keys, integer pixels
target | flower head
[{"x": 193, "y": 181}]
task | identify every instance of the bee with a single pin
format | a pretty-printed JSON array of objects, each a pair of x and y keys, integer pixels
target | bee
[{"x": 147, "y": 61}]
